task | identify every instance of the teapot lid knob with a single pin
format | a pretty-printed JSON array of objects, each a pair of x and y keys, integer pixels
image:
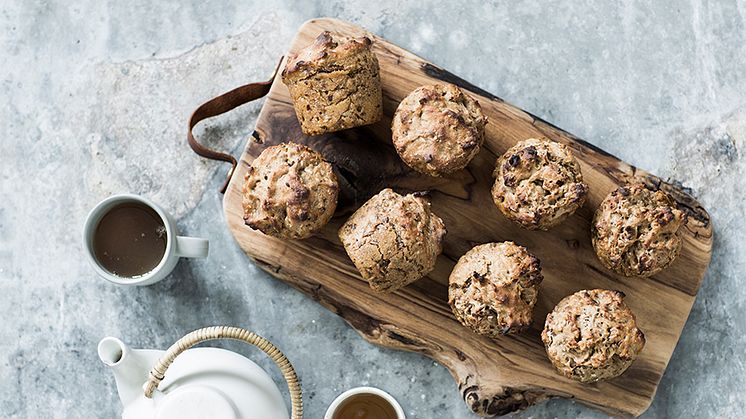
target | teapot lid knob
[{"x": 195, "y": 402}]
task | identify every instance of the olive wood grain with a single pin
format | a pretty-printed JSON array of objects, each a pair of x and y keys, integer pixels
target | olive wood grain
[{"x": 494, "y": 376}]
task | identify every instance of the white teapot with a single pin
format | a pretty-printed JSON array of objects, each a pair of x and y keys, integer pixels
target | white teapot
[{"x": 201, "y": 382}]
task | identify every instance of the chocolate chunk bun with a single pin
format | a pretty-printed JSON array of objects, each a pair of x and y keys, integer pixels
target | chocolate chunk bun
[
  {"x": 592, "y": 335},
  {"x": 538, "y": 184},
  {"x": 438, "y": 129},
  {"x": 393, "y": 240},
  {"x": 289, "y": 192},
  {"x": 636, "y": 231},
  {"x": 334, "y": 85},
  {"x": 493, "y": 288}
]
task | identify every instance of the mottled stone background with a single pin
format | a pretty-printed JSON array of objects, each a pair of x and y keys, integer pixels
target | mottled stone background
[{"x": 94, "y": 98}]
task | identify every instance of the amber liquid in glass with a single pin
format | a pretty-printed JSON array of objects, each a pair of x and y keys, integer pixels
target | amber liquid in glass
[{"x": 365, "y": 406}]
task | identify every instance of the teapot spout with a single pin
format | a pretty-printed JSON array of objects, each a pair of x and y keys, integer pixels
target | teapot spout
[{"x": 130, "y": 367}]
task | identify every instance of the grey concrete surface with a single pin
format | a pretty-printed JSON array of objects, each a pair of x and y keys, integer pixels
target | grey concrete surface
[{"x": 94, "y": 96}]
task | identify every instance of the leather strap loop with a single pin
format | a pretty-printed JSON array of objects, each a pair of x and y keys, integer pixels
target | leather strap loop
[{"x": 220, "y": 105}]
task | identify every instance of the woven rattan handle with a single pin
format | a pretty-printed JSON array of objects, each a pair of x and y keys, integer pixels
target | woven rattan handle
[{"x": 235, "y": 333}]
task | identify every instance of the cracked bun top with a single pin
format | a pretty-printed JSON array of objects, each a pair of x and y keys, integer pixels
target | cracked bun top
[
  {"x": 437, "y": 129},
  {"x": 636, "y": 231},
  {"x": 592, "y": 335},
  {"x": 334, "y": 85},
  {"x": 323, "y": 53},
  {"x": 393, "y": 239},
  {"x": 494, "y": 287},
  {"x": 538, "y": 184},
  {"x": 290, "y": 192}
]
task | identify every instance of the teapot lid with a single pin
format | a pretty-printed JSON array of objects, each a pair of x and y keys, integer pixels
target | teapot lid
[
  {"x": 213, "y": 382},
  {"x": 195, "y": 402}
]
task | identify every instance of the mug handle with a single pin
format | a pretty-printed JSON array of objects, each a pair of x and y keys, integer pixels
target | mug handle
[{"x": 192, "y": 247}]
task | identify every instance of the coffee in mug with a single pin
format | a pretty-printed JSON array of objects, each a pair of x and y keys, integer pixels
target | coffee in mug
[{"x": 130, "y": 240}]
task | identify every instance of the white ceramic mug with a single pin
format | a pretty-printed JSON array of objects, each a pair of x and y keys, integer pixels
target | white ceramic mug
[
  {"x": 176, "y": 246},
  {"x": 364, "y": 390}
]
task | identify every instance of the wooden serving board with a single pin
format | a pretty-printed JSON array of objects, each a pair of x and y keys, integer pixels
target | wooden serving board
[{"x": 494, "y": 376}]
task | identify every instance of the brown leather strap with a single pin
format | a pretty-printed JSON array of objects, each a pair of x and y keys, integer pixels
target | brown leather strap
[{"x": 220, "y": 105}]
